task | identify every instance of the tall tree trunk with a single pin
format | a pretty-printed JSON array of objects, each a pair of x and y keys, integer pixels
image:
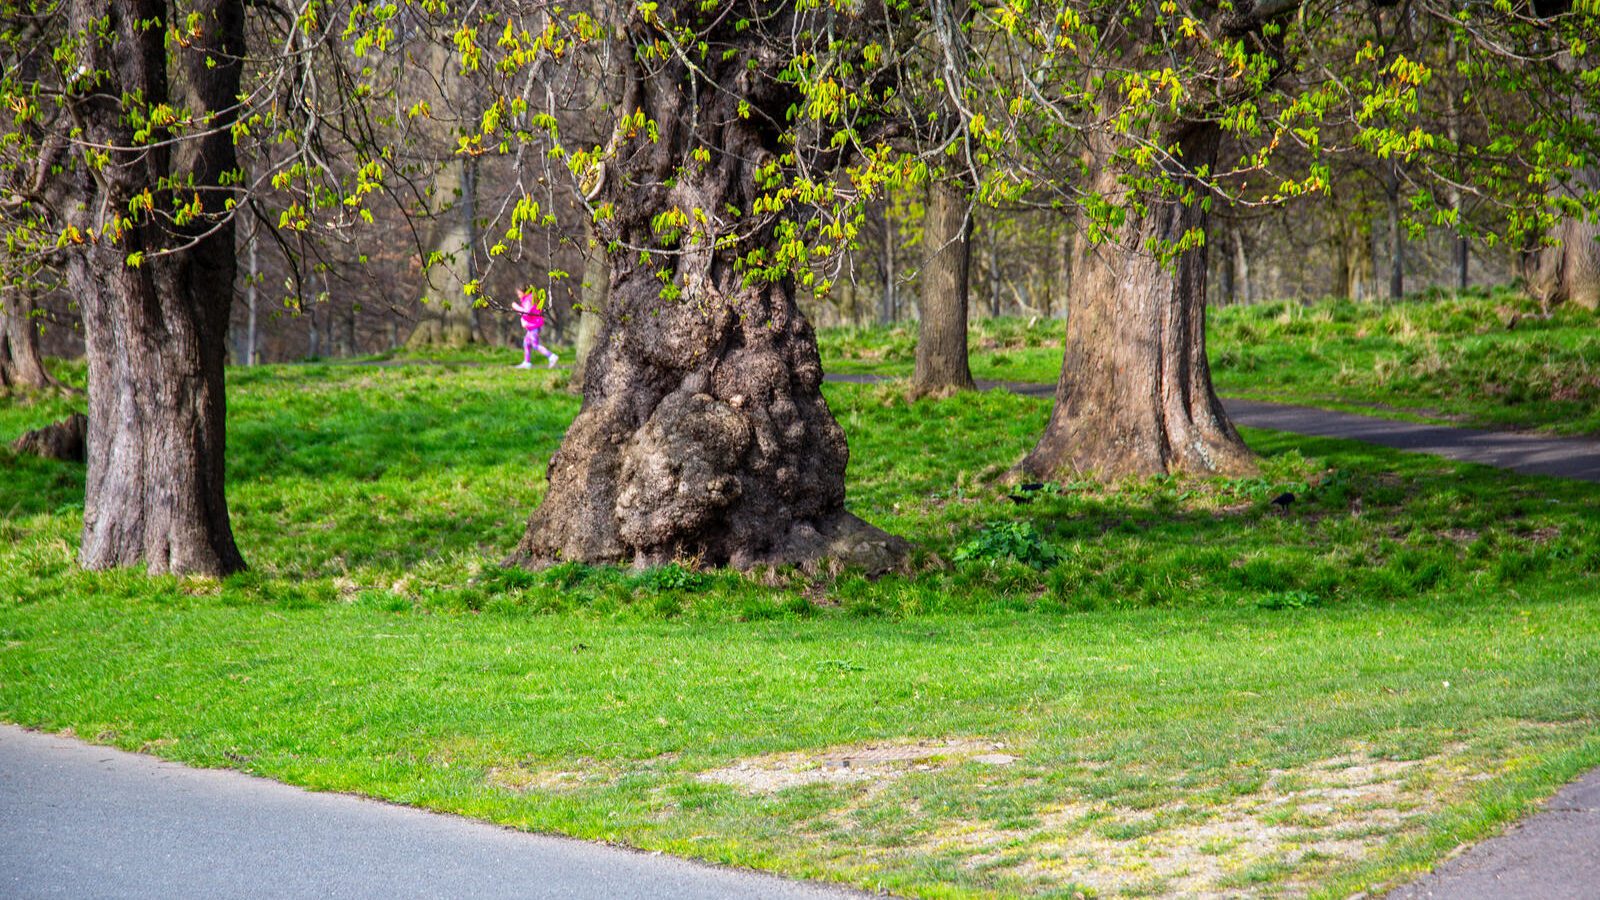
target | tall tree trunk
[
  {"x": 1241, "y": 265},
  {"x": 20, "y": 363},
  {"x": 994, "y": 269},
  {"x": 156, "y": 333},
  {"x": 941, "y": 364},
  {"x": 703, "y": 434},
  {"x": 890, "y": 310},
  {"x": 1135, "y": 395},
  {"x": 596, "y": 287},
  {"x": 450, "y": 317},
  {"x": 1462, "y": 248},
  {"x": 1397, "y": 235},
  {"x": 253, "y": 277},
  {"x": 1568, "y": 272}
]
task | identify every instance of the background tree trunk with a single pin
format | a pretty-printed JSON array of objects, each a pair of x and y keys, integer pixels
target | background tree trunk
[
  {"x": 596, "y": 288},
  {"x": 20, "y": 363},
  {"x": 451, "y": 318},
  {"x": 703, "y": 435},
  {"x": 941, "y": 364},
  {"x": 1135, "y": 395},
  {"x": 156, "y": 334},
  {"x": 1570, "y": 271},
  {"x": 1397, "y": 234},
  {"x": 889, "y": 307}
]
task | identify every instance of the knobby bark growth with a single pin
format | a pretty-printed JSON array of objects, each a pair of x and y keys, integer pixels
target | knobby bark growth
[
  {"x": 941, "y": 363},
  {"x": 21, "y": 366},
  {"x": 1135, "y": 395},
  {"x": 156, "y": 332},
  {"x": 1569, "y": 271},
  {"x": 703, "y": 434}
]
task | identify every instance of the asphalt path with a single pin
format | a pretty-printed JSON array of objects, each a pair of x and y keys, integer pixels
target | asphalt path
[
  {"x": 82, "y": 821},
  {"x": 1552, "y": 855},
  {"x": 1527, "y": 453}
]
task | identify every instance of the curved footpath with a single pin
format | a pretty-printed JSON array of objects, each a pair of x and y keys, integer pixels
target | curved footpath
[
  {"x": 82, "y": 821},
  {"x": 78, "y": 820}
]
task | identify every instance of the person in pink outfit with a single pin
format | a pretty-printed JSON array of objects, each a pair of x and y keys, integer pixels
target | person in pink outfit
[{"x": 532, "y": 321}]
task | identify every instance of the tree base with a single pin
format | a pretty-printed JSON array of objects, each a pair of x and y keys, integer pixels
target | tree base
[{"x": 65, "y": 441}]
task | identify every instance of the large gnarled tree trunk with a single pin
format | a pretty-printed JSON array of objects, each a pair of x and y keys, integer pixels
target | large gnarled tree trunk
[
  {"x": 156, "y": 333},
  {"x": 703, "y": 435},
  {"x": 1135, "y": 395},
  {"x": 20, "y": 363},
  {"x": 1569, "y": 271},
  {"x": 941, "y": 365}
]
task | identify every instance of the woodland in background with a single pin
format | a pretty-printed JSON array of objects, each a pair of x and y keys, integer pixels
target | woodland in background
[{"x": 349, "y": 308}]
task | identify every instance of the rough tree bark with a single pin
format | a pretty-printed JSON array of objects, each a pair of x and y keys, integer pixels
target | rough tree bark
[
  {"x": 941, "y": 363},
  {"x": 156, "y": 333},
  {"x": 1568, "y": 272},
  {"x": 1135, "y": 395},
  {"x": 703, "y": 434},
  {"x": 20, "y": 363}
]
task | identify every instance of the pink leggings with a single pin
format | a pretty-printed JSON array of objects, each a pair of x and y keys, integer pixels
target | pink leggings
[{"x": 531, "y": 343}]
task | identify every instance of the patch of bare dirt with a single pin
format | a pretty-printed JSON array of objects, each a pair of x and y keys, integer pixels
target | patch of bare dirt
[
  {"x": 872, "y": 762},
  {"x": 1303, "y": 821}
]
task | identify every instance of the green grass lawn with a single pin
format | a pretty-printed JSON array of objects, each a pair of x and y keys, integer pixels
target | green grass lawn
[
  {"x": 1158, "y": 688},
  {"x": 1446, "y": 359}
]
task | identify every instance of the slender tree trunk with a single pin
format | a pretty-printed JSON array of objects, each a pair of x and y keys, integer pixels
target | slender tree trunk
[
  {"x": 450, "y": 317},
  {"x": 1225, "y": 277},
  {"x": 156, "y": 333},
  {"x": 252, "y": 339},
  {"x": 1135, "y": 395},
  {"x": 994, "y": 269},
  {"x": 1241, "y": 265},
  {"x": 891, "y": 306},
  {"x": 1397, "y": 235},
  {"x": 596, "y": 287},
  {"x": 703, "y": 435},
  {"x": 1463, "y": 249},
  {"x": 941, "y": 364},
  {"x": 20, "y": 363}
]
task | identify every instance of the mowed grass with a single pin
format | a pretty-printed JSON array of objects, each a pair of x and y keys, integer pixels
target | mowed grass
[
  {"x": 1189, "y": 690},
  {"x": 1433, "y": 358}
]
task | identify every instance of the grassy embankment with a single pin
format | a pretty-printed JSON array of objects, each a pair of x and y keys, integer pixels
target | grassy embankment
[
  {"x": 1190, "y": 691},
  {"x": 1428, "y": 359}
]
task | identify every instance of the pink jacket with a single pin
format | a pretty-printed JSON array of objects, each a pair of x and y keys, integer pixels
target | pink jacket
[{"x": 532, "y": 315}]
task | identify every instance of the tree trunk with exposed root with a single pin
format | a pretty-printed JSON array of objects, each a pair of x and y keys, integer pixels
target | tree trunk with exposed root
[
  {"x": 703, "y": 435},
  {"x": 1135, "y": 395},
  {"x": 21, "y": 366},
  {"x": 156, "y": 332}
]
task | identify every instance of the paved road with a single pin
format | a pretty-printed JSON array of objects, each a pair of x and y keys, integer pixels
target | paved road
[
  {"x": 1523, "y": 452},
  {"x": 1554, "y": 855},
  {"x": 83, "y": 821}
]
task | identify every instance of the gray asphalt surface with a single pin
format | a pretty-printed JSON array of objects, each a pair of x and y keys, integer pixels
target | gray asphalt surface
[
  {"x": 1553, "y": 855},
  {"x": 82, "y": 821}
]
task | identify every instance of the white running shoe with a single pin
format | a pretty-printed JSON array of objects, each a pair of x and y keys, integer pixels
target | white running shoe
[
  {"x": 553, "y": 360},
  {"x": 525, "y": 365}
]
